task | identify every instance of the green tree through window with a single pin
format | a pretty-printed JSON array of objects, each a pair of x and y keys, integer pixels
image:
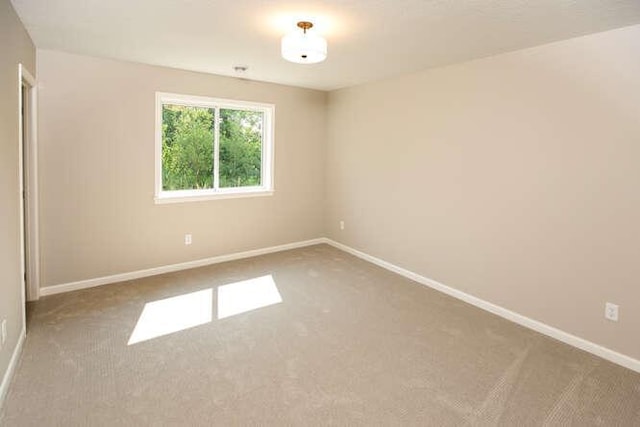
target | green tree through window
[
  {"x": 188, "y": 147},
  {"x": 240, "y": 148}
]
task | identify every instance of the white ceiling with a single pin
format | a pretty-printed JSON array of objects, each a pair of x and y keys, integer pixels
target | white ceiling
[{"x": 368, "y": 39}]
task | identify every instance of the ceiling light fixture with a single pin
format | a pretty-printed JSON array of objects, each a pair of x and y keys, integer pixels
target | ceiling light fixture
[{"x": 304, "y": 47}]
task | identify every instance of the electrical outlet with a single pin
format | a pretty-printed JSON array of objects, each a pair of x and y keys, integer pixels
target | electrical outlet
[
  {"x": 341, "y": 225},
  {"x": 187, "y": 239},
  {"x": 3, "y": 332},
  {"x": 611, "y": 311}
]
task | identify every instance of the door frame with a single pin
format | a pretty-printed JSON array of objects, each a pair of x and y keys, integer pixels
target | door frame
[{"x": 28, "y": 157}]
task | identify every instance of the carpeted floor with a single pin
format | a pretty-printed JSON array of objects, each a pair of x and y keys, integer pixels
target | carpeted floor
[{"x": 349, "y": 344}]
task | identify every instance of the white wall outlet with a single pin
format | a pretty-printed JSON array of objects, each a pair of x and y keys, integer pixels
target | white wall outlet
[
  {"x": 187, "y": 239},
  {"x": 3, "y": 332},
  {"x": 341, "y": 225},
  {"x": 611, "y": 311}
]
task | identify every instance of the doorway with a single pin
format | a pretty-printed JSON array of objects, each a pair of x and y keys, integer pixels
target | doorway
[{"x": 28, "y": 161}]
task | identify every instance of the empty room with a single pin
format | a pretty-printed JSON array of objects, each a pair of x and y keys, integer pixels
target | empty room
[{"x": 390, "y": 212}]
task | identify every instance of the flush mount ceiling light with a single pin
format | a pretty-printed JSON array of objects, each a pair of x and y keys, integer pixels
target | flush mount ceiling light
[{"x": 304, "y": 47}]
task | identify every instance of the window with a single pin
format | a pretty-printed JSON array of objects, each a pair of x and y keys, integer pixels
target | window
[{"x": 210, "y": 148}]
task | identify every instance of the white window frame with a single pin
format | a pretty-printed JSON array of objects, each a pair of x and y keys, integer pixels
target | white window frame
[{"x": 268, "y": 141}]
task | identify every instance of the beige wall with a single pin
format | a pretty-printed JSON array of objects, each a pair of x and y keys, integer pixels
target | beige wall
[
  {"x": 15, "y": 48},
  {"x": 514, "y": 178},
  {"x": 98, "y": 216}
]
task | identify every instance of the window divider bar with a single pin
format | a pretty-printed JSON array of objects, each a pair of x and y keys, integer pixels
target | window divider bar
[{"x": 216, "y": 148}]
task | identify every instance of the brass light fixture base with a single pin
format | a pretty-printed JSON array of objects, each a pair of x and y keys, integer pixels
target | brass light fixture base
[{"x": 305, "y": 25}]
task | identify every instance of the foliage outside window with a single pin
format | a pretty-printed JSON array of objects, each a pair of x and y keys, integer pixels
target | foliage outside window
[{"x": 208, "y": 148}]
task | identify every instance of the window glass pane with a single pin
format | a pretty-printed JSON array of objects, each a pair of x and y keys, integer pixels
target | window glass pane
[
  {"x": 240, "y": 148},
  {"x": 187, "y": 147}
]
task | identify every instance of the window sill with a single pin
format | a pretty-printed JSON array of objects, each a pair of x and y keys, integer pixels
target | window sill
[{"x": 201, "y": 196}]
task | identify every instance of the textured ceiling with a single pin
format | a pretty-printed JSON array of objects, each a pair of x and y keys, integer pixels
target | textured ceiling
[{"x": 368, "y": 39}]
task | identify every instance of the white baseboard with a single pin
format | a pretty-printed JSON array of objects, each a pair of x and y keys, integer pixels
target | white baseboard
[
  {"x": 596, "y": 349},
  {"x": 565, "y": 337},
  {"x": 11, "y": 369},
  {"x": 90, "y": 283}
]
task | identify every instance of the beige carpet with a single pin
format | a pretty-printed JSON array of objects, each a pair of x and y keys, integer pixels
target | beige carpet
[{"x": 350, "y": 344}]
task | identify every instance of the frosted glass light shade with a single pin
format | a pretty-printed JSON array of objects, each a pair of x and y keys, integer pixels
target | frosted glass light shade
[{"x": 304, "y": 47}]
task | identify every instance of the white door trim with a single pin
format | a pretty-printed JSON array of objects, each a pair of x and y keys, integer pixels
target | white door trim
[{"x": 28, "y": 144}]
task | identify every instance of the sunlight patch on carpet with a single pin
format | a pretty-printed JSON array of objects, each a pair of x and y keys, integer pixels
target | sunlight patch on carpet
[
  {"x": 240, "y": 297},
  {"x": 174, "y": 314}
]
